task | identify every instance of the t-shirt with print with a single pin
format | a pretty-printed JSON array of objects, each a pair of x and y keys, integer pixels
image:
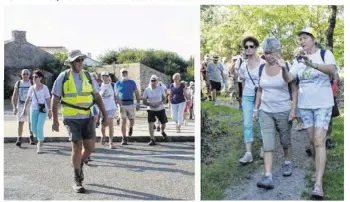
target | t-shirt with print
[
  {"x": 275, "y": 96},
  {"x": 40, "y": 98},
  {"x": 57, "y": 90},
  {"x": 125, "y": 90},
  {"x": 214, "y": 72},
  {"x": 153, "y": 96},
  {"x": 249, "y": 87},
  {"x": 23, "y": 89},
  {"x": 107, "y": 93},
  {"x": 314, "y": 86}
]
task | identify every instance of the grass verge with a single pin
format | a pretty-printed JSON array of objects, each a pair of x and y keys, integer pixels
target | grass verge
[{"x": 222, "y": 146}]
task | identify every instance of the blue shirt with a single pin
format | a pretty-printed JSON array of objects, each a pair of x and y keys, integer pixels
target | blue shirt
[
  {"x": 125, "y": 90},
  {"x": 177, "y": 94}
]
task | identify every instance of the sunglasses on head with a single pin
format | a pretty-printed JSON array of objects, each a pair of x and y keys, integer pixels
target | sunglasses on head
[
  {"x": 250, "y": 46},
  {"x": 79, "y": 60}
]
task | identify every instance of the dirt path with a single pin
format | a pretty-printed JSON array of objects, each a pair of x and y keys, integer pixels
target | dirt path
[{"x": 286, "y": 188}]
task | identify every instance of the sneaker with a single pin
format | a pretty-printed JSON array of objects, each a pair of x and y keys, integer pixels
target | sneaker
[
  {"x": 262, "y": 152},
  {"x": 130, "y": 131},
  {"x": 287, "y": 170},
  {"x": 39, "y": 148},
  {"x": 111, "y": 146},
  {"x": 124, "y": 141},
  {"x": 165, "y": 137},
  {"x": 78, "y": 186},
  {"x": 317, "y": 192},
  {"x": 158, "y": 128},
  {"x": 247, "y": 158},
  {"x": 152, "y": 142},
  {"x": 18, "y": 143},
  {"x": 31, "y": 140},
  {"x": 265, "y": 182}
]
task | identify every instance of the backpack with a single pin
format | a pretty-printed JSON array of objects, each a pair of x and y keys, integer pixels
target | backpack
[
  {"x": 289, "y": 85},
  {"x": 19, "y": 81},
  {"x": 66, "y": 77}
]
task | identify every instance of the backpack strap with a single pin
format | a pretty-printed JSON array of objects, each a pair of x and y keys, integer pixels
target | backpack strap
[
  {"x": 261, "y": 67},
  {"x": 323, "y": 53},
  {"x": 17, "y": 84}
]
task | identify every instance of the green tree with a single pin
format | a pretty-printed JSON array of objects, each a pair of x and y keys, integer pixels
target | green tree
[{"x": 223, "y": 27}]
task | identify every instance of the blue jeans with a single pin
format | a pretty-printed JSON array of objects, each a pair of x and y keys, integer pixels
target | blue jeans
[
  {"x": 248, "y": 105},
  {"x": 38, "y": 120}
]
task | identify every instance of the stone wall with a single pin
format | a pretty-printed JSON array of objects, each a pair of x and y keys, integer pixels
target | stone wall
[{"x": 138, "y": 72}]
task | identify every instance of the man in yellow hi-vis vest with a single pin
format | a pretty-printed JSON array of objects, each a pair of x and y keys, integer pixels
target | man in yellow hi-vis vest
[{"x": 76, "y": 91}]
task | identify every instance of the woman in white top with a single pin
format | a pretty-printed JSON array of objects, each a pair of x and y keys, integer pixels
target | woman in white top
[
  {"x": 248, "y": 72},
  {"x": 275, "y": 111},
  {"x": 314, "y": 67},
  {"x": 39, "y": 94},
  {"x": 108, "y": 95}
]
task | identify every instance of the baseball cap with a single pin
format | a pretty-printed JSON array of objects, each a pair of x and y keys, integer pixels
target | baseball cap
[
  {"x": 104, "y": 74},
  {"x": 154, "y": 77},
  {"x": 123, "y": 70},
  {"x": 307, "y": 30}
]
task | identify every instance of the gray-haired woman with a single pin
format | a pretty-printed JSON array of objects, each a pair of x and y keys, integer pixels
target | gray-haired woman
[{"x": 275, "y": 111}]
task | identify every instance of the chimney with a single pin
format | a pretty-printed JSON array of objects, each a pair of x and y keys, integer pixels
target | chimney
[
  {"x": 19, "y": 36},
  {"x": 89, "y": 55}
]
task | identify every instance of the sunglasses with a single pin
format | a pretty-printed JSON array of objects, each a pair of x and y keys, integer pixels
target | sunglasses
[
  {"x": 153, "y": 80},
  {"x": 35, "y": 77},
  {"x": 251, "y": 47},
  {"x": 79, "y": 60}
]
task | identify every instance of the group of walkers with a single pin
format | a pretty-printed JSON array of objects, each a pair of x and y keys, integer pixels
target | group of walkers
[
  {"x": 274, "y": 92},
  {"x": 84, "y": 99}
]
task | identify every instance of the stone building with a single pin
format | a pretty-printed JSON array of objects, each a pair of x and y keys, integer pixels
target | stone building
[
  {"x": 20, "y": 54},
  {"x": 137, "y": 71}
]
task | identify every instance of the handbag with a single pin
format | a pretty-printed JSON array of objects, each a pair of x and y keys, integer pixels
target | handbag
[{"x": 42, "y": 107}]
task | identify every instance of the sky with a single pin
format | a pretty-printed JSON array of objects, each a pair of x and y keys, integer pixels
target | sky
[{"x": 99, "y": 28}]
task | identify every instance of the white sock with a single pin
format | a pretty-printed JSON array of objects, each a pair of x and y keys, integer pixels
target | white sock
[{"x": 249, "y": 153}]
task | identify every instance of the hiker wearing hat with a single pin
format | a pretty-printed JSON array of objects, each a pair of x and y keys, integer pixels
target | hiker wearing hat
[
  {"x": 154, "y": 98},
  {"x": 125, "y": 89},
  {"x": 76, "y": 91},
  {"x": 109, "y": 98},
  {"x": 19, "y": 96},
  {"x": 275, "y": 111},
  {"x": 314, "y": 68},
  {"x": 249, "y": 74},
  {"x": 215, "y": 75},
  {"x": 204, "y": 69}
]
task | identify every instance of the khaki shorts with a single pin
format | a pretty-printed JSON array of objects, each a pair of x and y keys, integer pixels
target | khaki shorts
[
  {"x": 20, "y": 108},
  {"x": 127, "y": 111},
  {"x": 270, "y": 124}
]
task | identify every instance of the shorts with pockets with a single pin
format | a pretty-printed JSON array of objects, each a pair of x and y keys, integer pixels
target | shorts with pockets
[
  {"x": 160, "y": 115},
  {"x": 215, "y": 85},
  {"x": 80, "y": 129},
  {"x": 270, "y": 124},
  {"x": 318, "y": 118},
  {"x": 127, "y": 111}
]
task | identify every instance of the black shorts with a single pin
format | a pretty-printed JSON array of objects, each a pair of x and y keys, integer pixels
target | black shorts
[
  {"x": 215, "y": 85},
  {"x": 81, "y": 129},
  {"x": 240, "y": 91},
  {"x": 161, "y": 116}
]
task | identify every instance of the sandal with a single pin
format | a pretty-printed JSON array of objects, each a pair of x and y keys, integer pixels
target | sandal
[{"x": 317, "y": 192}]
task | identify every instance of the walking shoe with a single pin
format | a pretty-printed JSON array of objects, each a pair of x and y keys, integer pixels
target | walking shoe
[
  {"x": 39, "y": 148},
  {"x": 158, "y": 128},
  {"x": 165, "y": 137},
  {"x": 111, "y": 146},
  {"x": 124, "y": 141},
  {"x": 31, "y": 140},
  {"x": 78, "y": 186},
  {"x": 18, "y": 143},
  {"x": 130, "y": 131},
  {"x": 262, "y": 152},
  {"x": 265, "y": 182},
  {"x": 330, "y": 144},
  {"x": 317, "y": 192},
  {"x": 152, "y": 142},
  {"x": 247, "y": 158},
  {"x": 287, "y": 170}
]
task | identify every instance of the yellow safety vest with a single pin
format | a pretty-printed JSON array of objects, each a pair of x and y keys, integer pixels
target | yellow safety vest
[{"x": 74, "y": 103}]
